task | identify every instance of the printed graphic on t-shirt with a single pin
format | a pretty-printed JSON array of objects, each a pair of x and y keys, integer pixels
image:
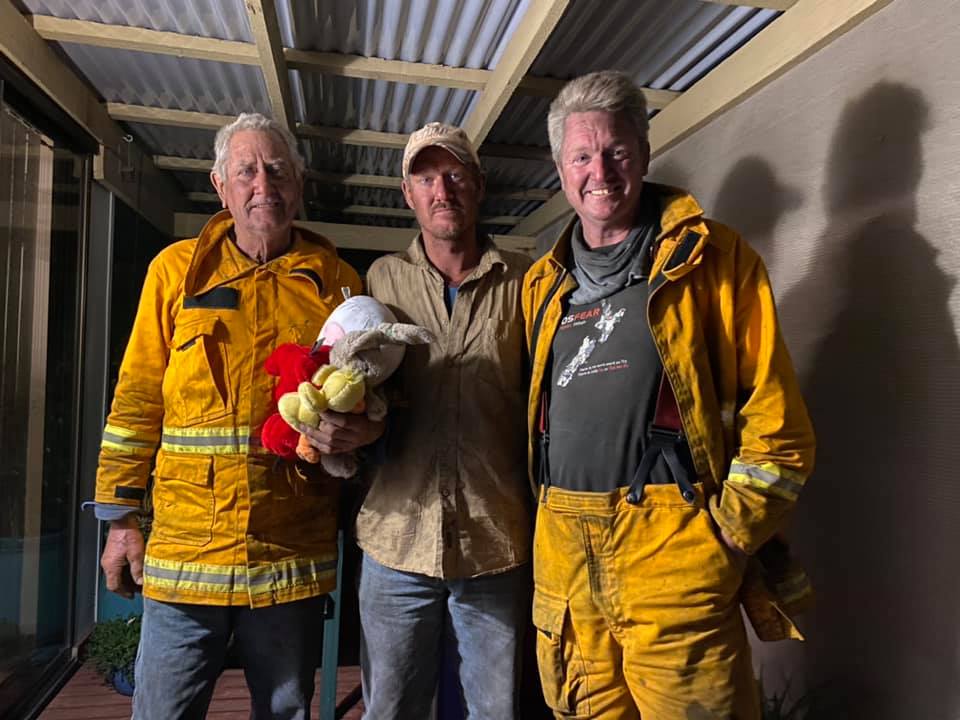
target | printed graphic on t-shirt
[
  {"x": 605, "y": 367},
  {"x": 606, "y": 323}
]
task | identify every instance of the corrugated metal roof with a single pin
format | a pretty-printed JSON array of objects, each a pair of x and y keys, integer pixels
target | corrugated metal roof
[
  {"x": 223, "y": 19},
  {"x": 377, "y": 104},
  {"x": 336, "y": 157},
  {"x": 175, "y": 141},
  {"x": 165, "y": 81},
  {"x": 639, "y": 36},
  {"x": 457, "y": 33}
]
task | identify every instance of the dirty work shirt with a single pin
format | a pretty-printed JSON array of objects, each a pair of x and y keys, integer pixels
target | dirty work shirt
[{"x": 605, "y": 375}]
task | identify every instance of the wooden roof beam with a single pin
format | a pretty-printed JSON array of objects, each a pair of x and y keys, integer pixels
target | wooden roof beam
[
  {"x": 346, "y": 136},
  {"x": 387, "y": 182},
  {"x": 262, "y": 15},
  {"x": 391, "y": 212},
  {"x": 759, "y": 4},
  {"x": 521, "y": 50},
  {"x": 359, "y": 237},
  {"x": 370, "y": 68},
  {"x": 124, "y": 37}
]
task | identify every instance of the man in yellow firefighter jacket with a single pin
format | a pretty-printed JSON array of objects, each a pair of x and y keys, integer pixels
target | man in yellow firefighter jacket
[
  {"x": 241, "y": 544},
  {"x": 651, "y": 499}
]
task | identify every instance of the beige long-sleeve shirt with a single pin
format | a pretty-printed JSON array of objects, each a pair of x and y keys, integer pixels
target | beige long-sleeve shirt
[{"x": 452, "y": 498}]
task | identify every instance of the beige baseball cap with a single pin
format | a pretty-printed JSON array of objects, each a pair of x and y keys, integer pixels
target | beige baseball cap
[{"x": 452, "y": 139}]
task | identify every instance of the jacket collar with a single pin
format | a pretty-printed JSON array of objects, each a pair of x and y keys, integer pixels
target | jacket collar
[
  {"x": 217, "y": 259},
  {"x": 489, "y": 256},
  {"x": 683, "y": 235}
]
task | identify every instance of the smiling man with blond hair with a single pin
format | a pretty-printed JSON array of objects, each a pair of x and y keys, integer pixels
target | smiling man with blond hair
[{"x": 669, "y": 438}]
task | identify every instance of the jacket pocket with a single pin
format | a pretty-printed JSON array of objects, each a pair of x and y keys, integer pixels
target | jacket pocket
[
  {"x": 196, "y": 385},
  {"x": 183, "y": 502},
  {"x": 553, "y": 653}
]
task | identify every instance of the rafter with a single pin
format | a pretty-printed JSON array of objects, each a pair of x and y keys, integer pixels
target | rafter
[
  {"x": 169, "y": 117},
  {"x": 123, "y": 37},
  {"x": 179, "y": 164},
  {"x": 552, "y": 210},
  {"x": 359, "y": 237},
  {"x": 391, "y": 212},
  {"x": 760, "y": 4},
  {"x": 407, "y": 214},
  {"x": 346, "y": 136},
  {"x": 522, "y": 49},
  {"x": 353, "y": 136},
  {"x": 266, "y": 34},
  {"x": 802, "y": 30},
  {"x": 369, "y": 68}
]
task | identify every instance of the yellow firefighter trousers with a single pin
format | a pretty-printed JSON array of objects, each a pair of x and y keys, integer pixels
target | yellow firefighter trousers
[{"x": 636, "y": 609}]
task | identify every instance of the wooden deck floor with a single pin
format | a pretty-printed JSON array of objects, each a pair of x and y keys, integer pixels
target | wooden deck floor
[{"x": 87, "y": 697}]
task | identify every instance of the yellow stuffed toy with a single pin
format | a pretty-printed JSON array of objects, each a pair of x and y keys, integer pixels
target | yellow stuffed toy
[{"x": 366, "y": 346}]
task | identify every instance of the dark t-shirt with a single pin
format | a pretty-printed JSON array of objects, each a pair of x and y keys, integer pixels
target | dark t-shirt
[{"x": 605, "y": 374}]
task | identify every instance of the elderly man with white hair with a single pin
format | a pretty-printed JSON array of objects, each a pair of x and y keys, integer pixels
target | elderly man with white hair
[{"x": 242, "y": 544}]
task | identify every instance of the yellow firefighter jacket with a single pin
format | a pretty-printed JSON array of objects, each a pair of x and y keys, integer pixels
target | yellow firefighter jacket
[
  {"x": 232, "y": 525},
  {"x": 712, "y": 316}
]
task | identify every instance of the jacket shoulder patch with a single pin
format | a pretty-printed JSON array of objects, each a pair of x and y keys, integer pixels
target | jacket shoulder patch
[
  {"x": 313, "y": 275},
  {"x": 124, "y": 492},
  {"x": 220, "y": 298},
  {"x": 682, "y": 253}
]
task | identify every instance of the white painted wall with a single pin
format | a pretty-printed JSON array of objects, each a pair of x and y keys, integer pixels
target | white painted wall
[{"x": 845, "y": 174}]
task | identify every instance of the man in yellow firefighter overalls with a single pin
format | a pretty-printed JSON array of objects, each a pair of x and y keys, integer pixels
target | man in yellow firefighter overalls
[{"x": 667, "y": 431}]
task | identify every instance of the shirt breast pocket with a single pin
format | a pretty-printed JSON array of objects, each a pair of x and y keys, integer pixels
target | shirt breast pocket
[
  {"x": 502, "y": 352},
  {"x": 196, "y": 384}
]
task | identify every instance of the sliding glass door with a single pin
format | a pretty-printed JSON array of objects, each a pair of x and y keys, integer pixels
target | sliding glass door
[{"x": 41, "y": 209}]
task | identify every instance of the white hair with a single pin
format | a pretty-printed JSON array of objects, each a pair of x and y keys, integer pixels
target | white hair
[
  {"x": 607, "y": 91},
  {"x": 254, "y": 121}
]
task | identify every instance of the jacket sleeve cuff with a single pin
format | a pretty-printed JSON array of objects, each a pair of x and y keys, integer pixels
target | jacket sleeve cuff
[
  {"x": 109, "y": 511},
  {"x": 746, "y": 517}
]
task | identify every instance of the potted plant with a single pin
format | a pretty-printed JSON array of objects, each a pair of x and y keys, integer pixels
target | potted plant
[{"x": 112, "y": 649}]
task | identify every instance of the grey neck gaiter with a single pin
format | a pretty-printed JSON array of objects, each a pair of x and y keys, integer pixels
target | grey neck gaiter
[{"x": 601, "y": 272}]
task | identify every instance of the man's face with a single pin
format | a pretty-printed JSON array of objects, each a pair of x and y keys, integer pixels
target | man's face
[
  {"x": 261, "y": 188},
  {"x": 443, "y": 193},
  {"x": 602, "y": 164}
]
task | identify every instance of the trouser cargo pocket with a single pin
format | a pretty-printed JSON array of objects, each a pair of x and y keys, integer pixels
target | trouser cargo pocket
[{"x": 550, "y": 617}]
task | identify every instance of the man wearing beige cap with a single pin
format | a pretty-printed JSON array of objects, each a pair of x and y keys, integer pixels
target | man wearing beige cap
[{"x": 445, "y": 527}]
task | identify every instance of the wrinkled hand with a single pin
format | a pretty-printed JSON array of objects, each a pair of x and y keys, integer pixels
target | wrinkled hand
[
  {"x": 341, "y": 432},
  {"x": 122, "y": 559}
]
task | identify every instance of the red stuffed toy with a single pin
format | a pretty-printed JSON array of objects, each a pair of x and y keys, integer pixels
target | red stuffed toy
[
  {"x": 360, "y": 345},
  {"x": 292, "y": 364}
]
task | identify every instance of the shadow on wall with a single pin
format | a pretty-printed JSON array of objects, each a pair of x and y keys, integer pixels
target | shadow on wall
[
  {"x": 752, "y": 200},
  {"x": 876, "y": 524}
]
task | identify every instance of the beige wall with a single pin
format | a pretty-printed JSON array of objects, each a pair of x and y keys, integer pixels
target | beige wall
[{"x": 845, "y": 174}]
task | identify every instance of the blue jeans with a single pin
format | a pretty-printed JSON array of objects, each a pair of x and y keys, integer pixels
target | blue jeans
[
  {"x": 183, "y": 648},
  {"x": 402, "y": 618}
]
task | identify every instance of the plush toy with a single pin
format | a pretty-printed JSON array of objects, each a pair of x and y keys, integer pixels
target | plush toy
[{"x": 360, "y": 345}]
